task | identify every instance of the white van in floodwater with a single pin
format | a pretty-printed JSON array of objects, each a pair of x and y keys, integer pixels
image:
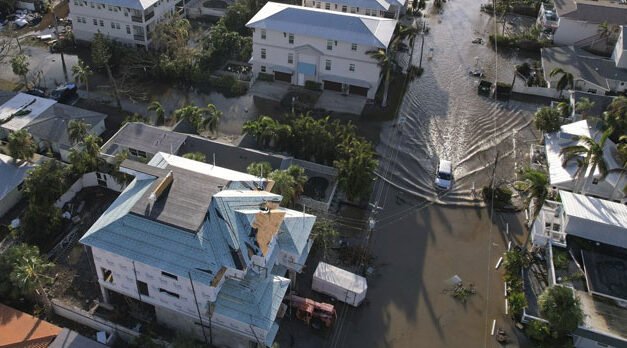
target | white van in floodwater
[{"x": 444, "y": 175}]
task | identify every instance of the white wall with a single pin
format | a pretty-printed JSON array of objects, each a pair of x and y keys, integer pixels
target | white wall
[
  {"x": 571, "y": 31},
  {"x": 620, "y": 52},
  {"x": 118, "y": 15},
  {"x": 337, "y": 6},
  {"x": 341, "y": 56}
]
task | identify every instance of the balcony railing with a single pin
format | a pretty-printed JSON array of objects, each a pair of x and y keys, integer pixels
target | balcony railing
[
  {"x": 149, "y": 15},
  {"x": 139, "y": 37},
  {"x": 137, "y": 19},
  {"x": 549, "y": 225}
]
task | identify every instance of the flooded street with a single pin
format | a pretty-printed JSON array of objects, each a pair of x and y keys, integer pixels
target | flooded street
[
  {"x": 442, "y": 117},
  {"x": 423, "y": 238}
]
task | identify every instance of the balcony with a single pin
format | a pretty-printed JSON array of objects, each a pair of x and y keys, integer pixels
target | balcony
[
  {"x": 149, "y": 15},
  {"x": 549, "y": 226},
  {"x": 139, "y": 37},
  {"x": 137, "y": 19}
]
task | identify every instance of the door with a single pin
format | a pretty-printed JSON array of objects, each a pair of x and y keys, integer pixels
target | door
[
  {"x": 332, "y": 86},
  {"x": 363, "y": 91},
  {"x": 301, "y": 79},
  {"x": 281, "y": 76}
]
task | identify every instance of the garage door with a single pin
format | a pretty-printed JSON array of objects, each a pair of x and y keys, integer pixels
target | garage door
[
  {"x": 281, "y": 76},
  {"x": 363, "y": 91},
  {"x": 332, "y": 86}
]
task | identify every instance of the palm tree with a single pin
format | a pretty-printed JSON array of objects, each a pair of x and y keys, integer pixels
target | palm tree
[
  {"x": 196, "y": 156},
  {"x": 77, "y": 130},
  {"x": 29, "y": 275},
  {"x": 408, "y": 32},
  {"x": 538, "y": 181},
  {"x": 19, "y": 65},
  {"x": 159, "y": 110},
  {"x": 547, "y": 119},
  {"x": 81, "y": 73},
  {"x": 213, "y": 115},
  {"x": 298, "y": 173},
  {"x": 562, "y": 309},
  {"x": 284, "y": 185},
  {"x": 615, "y": 117},
  {"x": 565, "y": 81},
  {"x": 593, "y": 153},
  {"x": 101, "y": 57},
  {"x": 191, "y": 113},
  {"x": 356, "y": 169},
  {"x": 564, "y": 108},
  {"x": 21, "y": 145},
  {"x": 260, "y": 169},
  {"x": 387, "y": 63},
  {"x": 583, "y": 106},
  {"x": 263, "y": 129}
]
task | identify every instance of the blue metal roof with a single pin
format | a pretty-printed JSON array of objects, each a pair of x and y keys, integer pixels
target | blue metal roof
[{"x": 328, "y": 25}]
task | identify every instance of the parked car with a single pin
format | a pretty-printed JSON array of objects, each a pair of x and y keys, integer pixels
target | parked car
[
  {"x": 444, "y": 175},
  {"x": 65, "y": 93}
]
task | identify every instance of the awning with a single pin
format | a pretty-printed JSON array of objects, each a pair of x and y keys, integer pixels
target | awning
[
  {"x": 307, "y": 69},
  {"x": 282, "y": 69},
  {"x": 346, "y": 80}
]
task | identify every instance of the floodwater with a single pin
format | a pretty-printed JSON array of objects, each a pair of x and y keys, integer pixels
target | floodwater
[
  {"x": 424, "y": 237},
  {"x": 443, "y": 117}
]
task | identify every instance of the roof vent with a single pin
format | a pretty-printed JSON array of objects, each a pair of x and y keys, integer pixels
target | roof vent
[{"x": 163, "y": 185}]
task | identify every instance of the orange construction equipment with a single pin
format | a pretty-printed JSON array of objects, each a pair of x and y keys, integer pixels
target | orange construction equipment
[{"x": 311, "y": 312}]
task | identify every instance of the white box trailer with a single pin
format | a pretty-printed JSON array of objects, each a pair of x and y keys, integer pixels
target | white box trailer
[{"x": 340, "y": 284}]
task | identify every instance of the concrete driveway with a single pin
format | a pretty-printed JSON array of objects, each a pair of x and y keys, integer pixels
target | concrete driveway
[{"x": 338, "y": 102}]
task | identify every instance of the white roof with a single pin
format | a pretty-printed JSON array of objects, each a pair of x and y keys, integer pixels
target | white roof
[
  {"x": 11, "y": 174},
  {"x": 329, "y": 25},
  {"x": 162, "y": 158},
  {"x": 554, "y": 142},
  {"x": 36, "y": 105},
  {"x": 338, "y": 276},
  {"x": 593, "y": 209}
]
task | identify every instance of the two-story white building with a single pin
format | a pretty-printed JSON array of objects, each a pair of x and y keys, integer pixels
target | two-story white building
[
  {"x": 129, "y": 22},
  {"x": 297, "y": 44},
  {"x": 375, "y": 8},
  {"x": 208, "y": 248}
]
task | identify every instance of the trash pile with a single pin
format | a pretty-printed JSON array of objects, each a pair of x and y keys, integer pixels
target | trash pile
[{"x": 22, "y": 18}]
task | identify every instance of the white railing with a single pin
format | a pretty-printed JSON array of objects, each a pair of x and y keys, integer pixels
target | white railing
[{"x": 549, "y": 225}]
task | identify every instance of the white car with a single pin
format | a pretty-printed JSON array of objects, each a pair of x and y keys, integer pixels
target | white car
[{"x": 444, "y": 175}]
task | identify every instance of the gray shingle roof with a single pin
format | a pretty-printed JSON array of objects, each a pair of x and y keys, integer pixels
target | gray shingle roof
[
  {"x": 346, "y": 27},
  {"x": 582, "y": 65},
  {"x": 141, "y": 137}
]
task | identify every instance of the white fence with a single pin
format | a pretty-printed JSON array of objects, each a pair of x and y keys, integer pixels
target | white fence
[
  {"x": 537, "y": 91},
  {"x": 88, "y": 180}
]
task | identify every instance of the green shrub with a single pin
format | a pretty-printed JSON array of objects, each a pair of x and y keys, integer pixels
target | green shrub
[
  {"x": 229, "y": 86},
  {"x": 560, "y": 258},
  {"x": 313, "y": 85},
  {"x": 502, "y": 41},
  {"x": 517, "y": 302},
  {"x": 538, "y": 331},
  {"x": 502, "y": 196},
  {"x": 265, "y": 77}
]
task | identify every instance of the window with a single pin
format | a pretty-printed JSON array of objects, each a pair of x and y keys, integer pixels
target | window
[
  {"x": 344, "y": 8},
  {"x": 329, "y": 45},
  {"x": 291, "y": 39},
  {"x": 290, "y": 58},
  {"x": 382, "y": 13},
  {"x": 352, "y": 10},
  {"x": 327, "y": 64},
  {"x": 107, "y": 275},
  {"x": 142, "y": 288},
  {"x": 336, "y": 6},
  {"x": 128, "y": 29},
  {"x": 351, "y": 67},
  {"x": 354, "y": 47},
  {"x": 110, "y": 8},
  {"x": 125, "y": 14},
  {"x": 318, "y": 5},
  {"x": 173, "y": 294},
  {"x": 263, "y": 53},
  {"x": 95, "y": 22},
  {"x": 367, "y": 12},
  {"x": 133, "y": 152},
  {"x": 117, "y": 25},
  {"x": 263, "y": 68},
  {"x": 112, "y": 25},
  {"x": 263, "y": 34},
  {"x": 169, "y": 275},
  {"x": 101, "y": 23},
  {"x": 595, "y": 181},
  {"x": 327, "y": 6}
]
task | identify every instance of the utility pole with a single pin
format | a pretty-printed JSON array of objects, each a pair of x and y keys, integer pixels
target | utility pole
[
  {"x": 60, "y": 45},
  {"x": 422, "y": 46}
]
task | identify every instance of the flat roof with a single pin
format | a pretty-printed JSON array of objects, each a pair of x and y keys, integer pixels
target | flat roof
[
  {"x": 606, "y": 272},
  {"x": 604, "y": 321},
  {"x": 595, "y": 209},
  {"x": 595, "y": 11},
  {"x": 34, "y": 106},
  {"x": 329, "y": 25}
]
